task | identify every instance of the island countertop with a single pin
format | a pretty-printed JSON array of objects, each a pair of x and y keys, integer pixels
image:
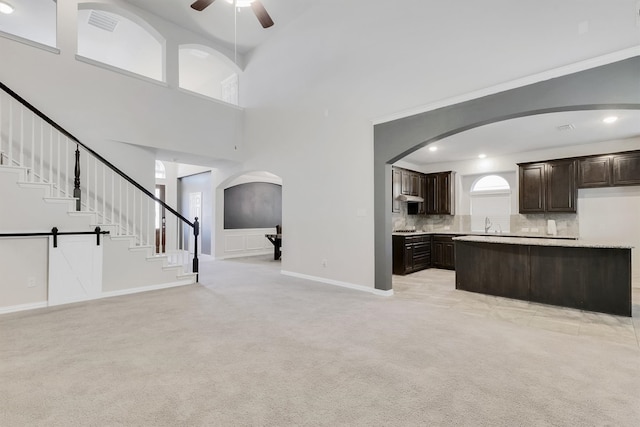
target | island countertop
[
  {"x": 478, "y": 233},
  {"x": 528, "y": 241}
]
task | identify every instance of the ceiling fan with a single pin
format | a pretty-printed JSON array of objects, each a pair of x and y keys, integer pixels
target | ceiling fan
[{"x": 256, "y": 6}]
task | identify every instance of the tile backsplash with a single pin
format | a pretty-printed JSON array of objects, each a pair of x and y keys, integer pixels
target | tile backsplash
[{"x": 566, "y": 224}]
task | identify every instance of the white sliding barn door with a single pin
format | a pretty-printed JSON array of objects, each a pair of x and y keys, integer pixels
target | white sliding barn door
[{"x": 75, "y": 269}]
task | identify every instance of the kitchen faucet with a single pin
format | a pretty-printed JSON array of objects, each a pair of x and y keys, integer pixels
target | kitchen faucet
[{"x": 487, "y": 224}]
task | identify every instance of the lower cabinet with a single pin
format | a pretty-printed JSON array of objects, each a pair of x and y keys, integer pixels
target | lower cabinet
[
  {"x": 443, "y": 252},
  {"x": 411, "y": 253},
  {"x": 415, "y": 253}
]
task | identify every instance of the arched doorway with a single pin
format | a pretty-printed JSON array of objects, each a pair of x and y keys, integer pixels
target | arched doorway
[{"x": 609, "y": 86}]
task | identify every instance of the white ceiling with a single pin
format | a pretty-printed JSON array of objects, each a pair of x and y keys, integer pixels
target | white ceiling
[
  {"x": 529, "y": 134},
  {"x": 217, "y": 21},
  {"x": 332, "y": 50}
]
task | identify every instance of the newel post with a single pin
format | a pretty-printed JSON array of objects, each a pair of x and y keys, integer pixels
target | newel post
[
  {"x": 196, "y": 232},
  {"x": 76, "y": 181}
]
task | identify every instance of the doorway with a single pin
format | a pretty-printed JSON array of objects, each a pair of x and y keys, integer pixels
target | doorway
[{"x": 161, "y": 221}]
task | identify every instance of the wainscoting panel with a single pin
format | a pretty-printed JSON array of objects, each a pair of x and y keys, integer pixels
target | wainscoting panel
[{"x": 247, "y": 242}]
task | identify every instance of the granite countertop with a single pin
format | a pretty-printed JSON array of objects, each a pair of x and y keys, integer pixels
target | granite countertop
[
  {"x": 475, "y": 233},
  {"x": 571, "y": 243}
]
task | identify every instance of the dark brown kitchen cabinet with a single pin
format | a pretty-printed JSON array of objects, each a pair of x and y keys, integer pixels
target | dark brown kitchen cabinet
[
  {"x": 411, "y": 253},
  {"x": 396, "y": 189},
  {"x": 422, "y": 192},
  {"x": 440, "y": 191},
  {"x": 410, "y": 182},
  {"x": 548, "y": 186},
  {"x": 561, "y": 186},
  {"x": 594, "y": 172},
  {"x": 610, "y": 170},
  {"x": 532, "y": 188},
  {"x": 626, "y": 169},
  {"x": 443, "y": 252}
]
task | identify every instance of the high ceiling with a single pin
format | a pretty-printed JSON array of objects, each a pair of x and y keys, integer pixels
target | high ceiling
[
  {"x": 219, "y": 23},
  {"x": 331, "y": 51}
]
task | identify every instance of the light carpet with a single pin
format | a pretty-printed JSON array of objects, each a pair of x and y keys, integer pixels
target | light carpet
[{"x": 251, "y": 347}]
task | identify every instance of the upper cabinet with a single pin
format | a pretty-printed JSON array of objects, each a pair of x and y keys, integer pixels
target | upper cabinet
[
  {"x": 552, "y": 186},
  {"x": 437, "y": 190},
  {"x": 410, "y": 182},
  {"x": 441, "y": 200},
  {"x": 594, "y": 172},
  {"x": 532, "y": 188},
  {"x": 626, "y": 168},
  {"x": 396, "y": 189},
  {"x": 548, "y": 186},
  {"x": 609, "y": 170},
  {"x": 561, "y": 186}
]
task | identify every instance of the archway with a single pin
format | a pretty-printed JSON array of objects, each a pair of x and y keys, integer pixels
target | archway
[
  {"x": 614, "y": 85},
  {"x": 248, "y": 206}
]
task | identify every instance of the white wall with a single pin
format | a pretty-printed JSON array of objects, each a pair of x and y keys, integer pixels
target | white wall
[
  {"x": 99, "y": 105},
  {"x": 612, "y": 215},
  {"x": 311, "y": 93}
]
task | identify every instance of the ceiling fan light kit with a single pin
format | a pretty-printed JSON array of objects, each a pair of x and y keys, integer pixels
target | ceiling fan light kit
[{"x": 256, "y": 5}]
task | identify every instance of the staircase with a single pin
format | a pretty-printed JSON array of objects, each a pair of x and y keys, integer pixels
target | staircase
[{"x": 48, "y": 178}]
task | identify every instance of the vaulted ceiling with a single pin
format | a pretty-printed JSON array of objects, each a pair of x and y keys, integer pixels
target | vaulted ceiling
[{"x": 225, "y": 25}]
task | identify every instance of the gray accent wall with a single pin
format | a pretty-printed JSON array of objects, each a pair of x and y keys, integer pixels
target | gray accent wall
[
  {"x": 253, "y": 205},
  {"x": 612, "y": 86}
]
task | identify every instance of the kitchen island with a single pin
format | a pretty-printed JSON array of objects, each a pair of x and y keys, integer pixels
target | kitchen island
[{"x": 591, "y": 276}]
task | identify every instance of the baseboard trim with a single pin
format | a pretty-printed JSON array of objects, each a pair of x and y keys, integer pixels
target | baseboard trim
[
  {"x": 339, "y": 283},
  {"x": 130, "y": 291},
  {"x": 109, "y": 294},
  {"x": 245, "y": 254},
  {"x": 23, "y": 307}
]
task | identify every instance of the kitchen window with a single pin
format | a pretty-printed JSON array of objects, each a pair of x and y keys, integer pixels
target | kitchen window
[{"x": 490, "y": 204}]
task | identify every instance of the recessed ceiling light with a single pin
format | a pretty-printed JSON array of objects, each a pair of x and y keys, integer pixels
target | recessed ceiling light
[
  {"x": 433, "y": 148},
  {"x": 482, "y": 156},
  {"x": 610, "y": 119},
  {"x": 6, "y": 8}
]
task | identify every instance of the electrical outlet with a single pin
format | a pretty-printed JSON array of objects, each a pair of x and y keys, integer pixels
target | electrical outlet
[
  {"x": 31, "y": 282},
  {"x": 324, "y": 262}
]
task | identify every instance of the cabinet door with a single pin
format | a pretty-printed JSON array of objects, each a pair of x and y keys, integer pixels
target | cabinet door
[
  {"x": 444, "y": 193},
  {"x": 396, "y": 190},
  {"x": 431, "y": 199},
  {"x": 594, "y": 172},
  {"x": 406, "y": 182},
  {"x": 532, "y": 188},
  {"x": 408, "y": 258},
  {"x": 415, "y": 184},
  {"x": 437, "y": 254},
  {"x": 626, "y": 169},
  {"x": 422, "y": 192},
  {"x": 561, "y": 186},
  {"x": 449, "y": 256}
]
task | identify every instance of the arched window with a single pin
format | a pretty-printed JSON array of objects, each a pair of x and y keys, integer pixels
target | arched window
[
  {"x": 205, "y": 71},
  {"x": 490, "y": 204},
  {"x": 34, "y": 20},
  {"x": 116, "y": 40},
  {"x": 161, "y": 172}
]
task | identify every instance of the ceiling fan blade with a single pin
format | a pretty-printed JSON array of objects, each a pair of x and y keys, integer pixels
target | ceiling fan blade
[
  {"x": 261, "y": 14},
  {"x": 200, "y": 5}
]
